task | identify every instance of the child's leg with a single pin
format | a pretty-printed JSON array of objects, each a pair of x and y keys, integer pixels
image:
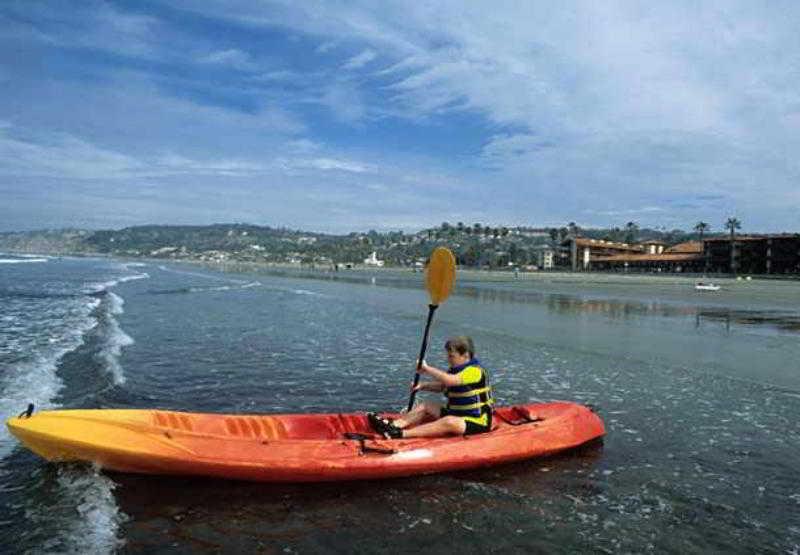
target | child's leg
[
  {"x": 418, "y": 414},
  {"x": 448, "y": 425}
]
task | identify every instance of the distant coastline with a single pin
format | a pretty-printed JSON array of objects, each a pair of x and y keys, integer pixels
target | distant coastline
[{"x": 500, "y": 254}]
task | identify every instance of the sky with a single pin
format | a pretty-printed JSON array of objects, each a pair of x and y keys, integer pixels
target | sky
[{"x": 350, "y": 116}]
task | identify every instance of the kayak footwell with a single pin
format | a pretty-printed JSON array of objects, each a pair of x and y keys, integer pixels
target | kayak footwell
[{"x": 292, "y": 447}]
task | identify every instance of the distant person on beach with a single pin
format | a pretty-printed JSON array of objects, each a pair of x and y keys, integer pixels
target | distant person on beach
[{"x": 469, "y": 398}]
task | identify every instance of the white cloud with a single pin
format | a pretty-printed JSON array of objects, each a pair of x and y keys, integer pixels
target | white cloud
[
  {"x": 360, "y": 60},
  {"x": 173, "y": 164},
  {"x": 503, "y": 150},
  {"x": 345, "y": 102},
  {"x": 642, "y": 211},
  {"x": 60, "y": 155},
  {"x": 296, "y": 166},
  {"x": 65, "y": 156},
  {"x": 231, "y": 57},
  {"x": 592, "y": 68},
  {"x": 596, "y": 108},
  {"x": 341, "y": 165},
  {"x": 325, "y": 47},
  {"x": 95, "y": 25},
  {"x": 304, "y": 146}
]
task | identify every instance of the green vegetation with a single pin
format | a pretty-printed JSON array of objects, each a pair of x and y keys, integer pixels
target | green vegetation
[{"x": 473, "y": 244}]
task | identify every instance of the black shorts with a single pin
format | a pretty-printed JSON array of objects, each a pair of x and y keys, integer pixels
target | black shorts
[{"x": 475, "y": 424}]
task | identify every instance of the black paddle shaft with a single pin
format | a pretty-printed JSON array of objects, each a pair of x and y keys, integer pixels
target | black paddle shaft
[{"x": 431, "y": 309}]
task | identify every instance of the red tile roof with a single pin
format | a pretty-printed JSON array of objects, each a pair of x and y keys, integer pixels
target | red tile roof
[
  {"x": 688, "y": 247},
  {"x": 664, "y": 257}
]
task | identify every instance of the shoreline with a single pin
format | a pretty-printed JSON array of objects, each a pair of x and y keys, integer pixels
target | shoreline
[{"x": 471, "y": 273}]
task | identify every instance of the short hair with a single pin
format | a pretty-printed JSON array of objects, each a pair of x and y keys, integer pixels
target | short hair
[{"x": 461, "y": 344}]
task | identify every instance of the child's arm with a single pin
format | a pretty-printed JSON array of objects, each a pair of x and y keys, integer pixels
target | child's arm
[{"x": 445, "y": 379}]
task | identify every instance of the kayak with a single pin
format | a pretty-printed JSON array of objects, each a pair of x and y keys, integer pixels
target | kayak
[{"x": 292, "y": 447}]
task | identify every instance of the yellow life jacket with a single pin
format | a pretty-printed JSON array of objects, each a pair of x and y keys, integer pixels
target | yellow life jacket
[{"x": 470, "y": 399}]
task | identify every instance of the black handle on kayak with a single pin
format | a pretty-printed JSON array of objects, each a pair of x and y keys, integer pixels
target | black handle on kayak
[{"x": 431, "y": 309}]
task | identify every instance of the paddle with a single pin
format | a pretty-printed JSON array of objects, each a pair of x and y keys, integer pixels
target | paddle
[{"x": 440, "y": 275}]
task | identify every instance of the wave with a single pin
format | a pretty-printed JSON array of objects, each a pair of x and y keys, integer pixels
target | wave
[
  {"x": 200, "y": 289},
  {"x": 103, "y": 286},
  {"x": 35, "y": 380},
  {"x": 113, "y": 338},
  {"x": 22, "y": 260},
  {"x": 39, "y": 329},
  {"x": 306, "y": 292},
  {"x": 83, "y": 515},
  {"x": 195, "y": 274}
]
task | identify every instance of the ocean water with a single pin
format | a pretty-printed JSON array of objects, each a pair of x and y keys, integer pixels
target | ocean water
[{"x": 700, "y": 394}]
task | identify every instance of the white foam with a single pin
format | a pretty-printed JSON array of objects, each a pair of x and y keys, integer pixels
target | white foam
[
  {"x": 306, "y": 292},
  {"x": 143, "y": 275},
  {"x": 196, "y": 274},
  {"x": 21, "y": 261},
  {"x": 35, "y": 381},
  {"x": 237, "y": 283},
  {"x": 91, "y": 518},
  {"x": 105, "y": 285},
  {"x": 116, "y": 303},
  {"x": 115, "y": 340}
]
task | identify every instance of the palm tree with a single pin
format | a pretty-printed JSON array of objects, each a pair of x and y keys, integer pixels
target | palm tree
[
  {"x": 574, "y": 230},
  {"x": 732, "y": 225},
  {"x": 701, "y": 228},
  {"x": 630, "y": 232}
]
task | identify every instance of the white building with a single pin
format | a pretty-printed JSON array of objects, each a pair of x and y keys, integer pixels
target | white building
[
  {"x": 545, "y": 257},
  {"x": 373, "y": 260}
]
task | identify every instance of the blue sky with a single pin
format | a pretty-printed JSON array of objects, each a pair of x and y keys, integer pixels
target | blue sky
[{"x": 350, "y": 116}]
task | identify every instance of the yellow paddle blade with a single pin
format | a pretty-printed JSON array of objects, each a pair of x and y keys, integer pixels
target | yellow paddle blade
[{"x": 440, "y": 275}]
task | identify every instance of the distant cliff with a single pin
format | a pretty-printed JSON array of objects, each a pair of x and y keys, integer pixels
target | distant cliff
[{"x": 65, "y": 241}]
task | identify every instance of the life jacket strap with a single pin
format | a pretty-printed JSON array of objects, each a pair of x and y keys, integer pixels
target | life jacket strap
[{"x": 469, "y": 393}]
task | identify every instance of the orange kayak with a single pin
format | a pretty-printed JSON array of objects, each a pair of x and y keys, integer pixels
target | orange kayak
[{"x": 292, "y": 447}]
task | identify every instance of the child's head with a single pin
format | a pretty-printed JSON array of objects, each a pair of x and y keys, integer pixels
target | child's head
[{"x": 461, "y": 345}]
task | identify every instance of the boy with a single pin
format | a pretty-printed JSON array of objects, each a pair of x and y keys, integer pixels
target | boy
[{"x": 469, "y": 398}]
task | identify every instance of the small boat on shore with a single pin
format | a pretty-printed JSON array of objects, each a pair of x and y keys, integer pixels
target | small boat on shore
[
  {"x": 292, "y": 447},
  {"x": 701, "y": 286}
]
